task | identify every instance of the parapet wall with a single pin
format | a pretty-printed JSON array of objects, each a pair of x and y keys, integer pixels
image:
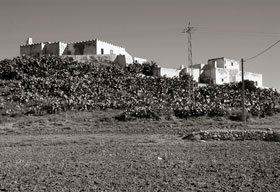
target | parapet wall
[
  {"x": 34, "y": 50},
  {"x": 108, "y": 48}
]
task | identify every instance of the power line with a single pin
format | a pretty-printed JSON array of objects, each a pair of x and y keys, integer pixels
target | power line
[
  {"x": 235, "y": 32},
  {"x": 262, "y": 51}
]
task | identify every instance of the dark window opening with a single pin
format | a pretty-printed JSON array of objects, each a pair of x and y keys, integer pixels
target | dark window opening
[
  {"x": 102, "y": 51},
  {"x": 231, "y": 63}
]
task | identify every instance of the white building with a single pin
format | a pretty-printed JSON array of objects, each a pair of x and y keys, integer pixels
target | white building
[
  {"x": 171, "y": 72},
  {"x": 217, "y": 71},
  {"x": 222, "y": 70},
  {"x": 79, "y": 50}
]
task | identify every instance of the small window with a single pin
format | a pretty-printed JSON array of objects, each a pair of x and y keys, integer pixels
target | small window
[
  {"x": 102, "y": 51},
  {"x": 222, "y": 80},
  {"x": 231, "y": 63}
]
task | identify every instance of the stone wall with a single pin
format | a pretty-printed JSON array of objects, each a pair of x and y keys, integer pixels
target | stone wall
[
  {"x": 234, "y": 135},
  {"x": 51, "y": 49},
  {"x": 81, "y": 48},
  {"x": 108, "y": 58},
  {"x": 34, "y": 50}
]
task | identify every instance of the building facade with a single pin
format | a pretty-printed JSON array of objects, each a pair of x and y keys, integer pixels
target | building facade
[
  {"x": 171, "y": 72},
  {"x": 217, "y": 71},
  {"x": 222, "y": 70},
  {"x": 76, "y": 49}
]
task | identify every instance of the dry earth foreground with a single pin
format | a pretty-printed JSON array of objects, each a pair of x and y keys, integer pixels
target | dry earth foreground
[
  {"x": 68, "y": 126},
  {"x": 92, "y": 151}
]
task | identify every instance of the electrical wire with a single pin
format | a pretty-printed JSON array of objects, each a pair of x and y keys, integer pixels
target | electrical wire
[
  {"x": 262, "y": 51},
  {"x": 242, "y": 33}
]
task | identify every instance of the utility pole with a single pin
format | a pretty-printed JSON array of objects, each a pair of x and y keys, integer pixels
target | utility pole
[
  {"x": 243, "y": 93},
  {"x": 243, "y": 85},
  {"x": 188, "y": 30}
]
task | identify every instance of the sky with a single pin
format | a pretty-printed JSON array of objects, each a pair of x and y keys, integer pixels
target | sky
[{"x": 152, "y": 29}]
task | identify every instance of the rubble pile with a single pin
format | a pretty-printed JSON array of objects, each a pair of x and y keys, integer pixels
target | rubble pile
[
  {"x": 51, "y": 84},
  {"x": 234, "y": 135}
]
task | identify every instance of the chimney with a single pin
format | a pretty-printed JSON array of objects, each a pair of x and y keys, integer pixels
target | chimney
[{"x": 29, "y": 41}]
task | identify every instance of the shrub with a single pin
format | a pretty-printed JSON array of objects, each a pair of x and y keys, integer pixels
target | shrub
[
  {"x": 236, "y": 115},
  {"x": 249, "y": 85},
  {"x": 274, "y": 136}
]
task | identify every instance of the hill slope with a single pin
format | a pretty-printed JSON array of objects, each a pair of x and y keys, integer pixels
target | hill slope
[{"x": 51, "y": 84}]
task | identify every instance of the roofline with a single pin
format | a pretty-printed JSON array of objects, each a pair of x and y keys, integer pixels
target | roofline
[{"x": 217, "y": 58}]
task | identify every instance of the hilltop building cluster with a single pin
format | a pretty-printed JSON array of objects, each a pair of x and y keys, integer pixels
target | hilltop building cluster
[
  {"x": 216, "y": 71},
  {"x": 92, "y": 50}
]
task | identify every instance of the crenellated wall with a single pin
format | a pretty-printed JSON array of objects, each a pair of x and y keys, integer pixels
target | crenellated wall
[
  {"x": 46, "y": 48},
  {"x": 34, "y": 50},
  {"x": 51, "y": 49},
  {"x": 91, "y": 47}
]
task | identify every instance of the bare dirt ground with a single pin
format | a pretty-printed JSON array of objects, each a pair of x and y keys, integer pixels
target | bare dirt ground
[{"x": 91, "y": 151}]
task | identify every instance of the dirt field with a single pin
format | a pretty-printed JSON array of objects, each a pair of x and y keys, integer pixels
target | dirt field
[{"x": 91, "y": 151}]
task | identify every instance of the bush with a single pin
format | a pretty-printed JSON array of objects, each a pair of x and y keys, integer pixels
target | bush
[
  {"x": 236, "y": 115},
  {"x": 249, "y": 85},
  {"x": 274, "y": 136},
  {"x": 145, "y": 68}
]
